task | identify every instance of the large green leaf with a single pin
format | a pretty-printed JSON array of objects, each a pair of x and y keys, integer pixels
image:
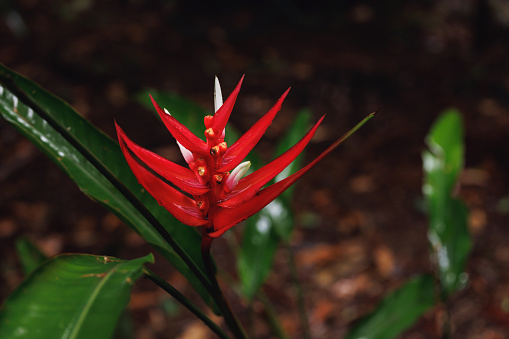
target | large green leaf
[
  {"x": 448, "y": 231},
  {"x": 397, "y": 311},
  {"x": 71, "y": 296},
  {"x": 22, "y": 103},
  {"x": 272, "y": 224}
]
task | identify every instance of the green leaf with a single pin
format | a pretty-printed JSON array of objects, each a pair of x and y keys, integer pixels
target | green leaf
[
  {"x": 259, "y": 244},
  {"x": 30, "y": 256},
  {"x": 448, "y": 231},
  {"x": 296, "y": 131},
  {"x": 282, "y": 215},
  {"x": 71, "y": 296},
  {"x": 398, "y": 311},
  {"x": 21, "y": 103},
  {"x": 272, "y": 224}
]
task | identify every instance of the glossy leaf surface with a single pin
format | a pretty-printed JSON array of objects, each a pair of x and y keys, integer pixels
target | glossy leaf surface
[
  {"x": 398, "y": 311},
  {"x": 21, "y": 100},
  {"x": 448, "y": 232},
  {"x": 71, "y": 296}
]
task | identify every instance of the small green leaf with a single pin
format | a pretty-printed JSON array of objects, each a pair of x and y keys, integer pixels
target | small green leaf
[
  {"x": 398, "y": 311},
  {"x": 445, "y": 142},
  {"x": 71, "y": 296},
  {"x": 448, "y": 231},
  {"x": 296, "y": 131},
  {"x": 282, "y": 214},
  {"x": 259, "y": 244},
  {"x": 30, "y": 256},
  {"x": 272, "y": 224}
]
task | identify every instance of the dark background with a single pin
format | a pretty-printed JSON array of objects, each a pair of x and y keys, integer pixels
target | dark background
[{"x": 360, "y": 228}]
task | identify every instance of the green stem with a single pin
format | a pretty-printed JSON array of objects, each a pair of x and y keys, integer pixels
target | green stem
[
  {"x": 442, "y": 292},
  {"x": 186, "y": 302},
  {"x": 301, "y": 304},
  {"x": 270, "y": 311},
  {"x": 229, "y": 317},
  {"x": 89, "y": 156}
]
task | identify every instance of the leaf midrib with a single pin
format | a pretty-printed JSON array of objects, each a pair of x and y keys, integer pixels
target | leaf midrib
[{"x": 76, "y": 326}]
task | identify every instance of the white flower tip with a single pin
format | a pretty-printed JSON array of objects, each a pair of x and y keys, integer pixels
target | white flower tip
[
  {"x": 218, "y": 96},
  {"x": 187, "y": 154},
  {"x": 237, "y": 174},
  {"x": 166, "y": 111}
]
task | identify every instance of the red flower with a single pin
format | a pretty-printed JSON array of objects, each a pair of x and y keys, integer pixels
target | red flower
[{"x": 217, "y": 196}]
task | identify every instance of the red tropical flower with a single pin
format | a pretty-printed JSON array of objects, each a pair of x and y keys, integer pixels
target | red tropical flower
[{"x": 217, "y": 196}]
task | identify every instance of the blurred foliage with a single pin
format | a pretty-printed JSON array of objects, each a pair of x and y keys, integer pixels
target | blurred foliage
[
  {"x": 397, "y": 311},
  {"x": 29, "y": 254},
  {"x": 448, "y": 231},
  {"x": 275, "y": 223}
]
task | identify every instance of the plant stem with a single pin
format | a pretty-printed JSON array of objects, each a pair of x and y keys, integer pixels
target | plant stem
[
  {"x": 229, "y": 317},
  {"x": 270, "y": 311},
  {"x": 186, "y": 302},
  {"x": 442, "y": 292},
  {"x": 301, "y": 304},
  {"x": 271, "y": 315}
]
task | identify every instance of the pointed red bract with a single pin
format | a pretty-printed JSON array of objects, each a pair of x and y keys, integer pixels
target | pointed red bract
[
  {"x": 250, "y": 185},
  {"x": 240, "y": 149},
  {"x": 180, "y": 132},
  {"x": 214, "y": 205},
  {"x": 180, "y": 176},
  {"x": 226, "y": 218},
  {"x": 179, "y": 205},
  {"x": 223, "y": 113}
]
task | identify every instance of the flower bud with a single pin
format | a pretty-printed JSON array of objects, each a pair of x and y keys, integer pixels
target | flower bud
[
  {"x": 236, "y": 175},
  {"x": 214, "y": 151},
  {"x": 209, "y": 133},
  {"x": 223, "y": 147},
  {"x": 208, "y": 121},
  {"x": 218, "y": 178}
]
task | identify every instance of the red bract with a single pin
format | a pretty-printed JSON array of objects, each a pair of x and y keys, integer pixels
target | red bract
[{"x": 215, "y": 198}]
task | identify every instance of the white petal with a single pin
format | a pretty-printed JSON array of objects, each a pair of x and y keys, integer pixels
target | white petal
[
  {"x": 187, "y": 154},
  {"x": 237, "y": 174},
  {"x": 218, "y": 96}
]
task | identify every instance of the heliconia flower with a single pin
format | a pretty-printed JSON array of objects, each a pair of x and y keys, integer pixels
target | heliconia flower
[{"x": 211, "y": 192}]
